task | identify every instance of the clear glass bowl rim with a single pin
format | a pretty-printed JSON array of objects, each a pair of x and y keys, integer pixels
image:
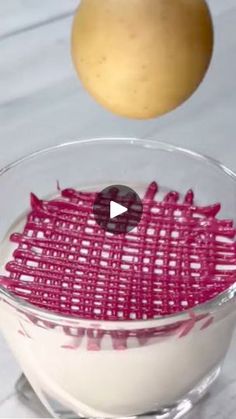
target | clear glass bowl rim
[{"x": 210, "y": 306}]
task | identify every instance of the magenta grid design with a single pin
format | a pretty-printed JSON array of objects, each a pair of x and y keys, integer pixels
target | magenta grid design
[{"x": 174, "y": 260}]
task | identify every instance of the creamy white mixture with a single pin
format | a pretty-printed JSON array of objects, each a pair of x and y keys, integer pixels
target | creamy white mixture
[{"x": 110, "y": 382}]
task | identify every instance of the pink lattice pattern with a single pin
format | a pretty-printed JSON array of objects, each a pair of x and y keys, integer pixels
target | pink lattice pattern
[{"x": 180, "y": 255}]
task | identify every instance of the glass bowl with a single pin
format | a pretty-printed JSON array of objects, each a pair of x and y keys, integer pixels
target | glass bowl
[{"x": 82, "y": 368}]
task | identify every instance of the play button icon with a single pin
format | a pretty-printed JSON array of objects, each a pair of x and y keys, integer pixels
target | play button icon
[{"x": 117, "y": 209}]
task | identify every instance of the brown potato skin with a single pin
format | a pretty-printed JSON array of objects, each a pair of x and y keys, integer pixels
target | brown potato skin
[{"x": 142, "y": 58}]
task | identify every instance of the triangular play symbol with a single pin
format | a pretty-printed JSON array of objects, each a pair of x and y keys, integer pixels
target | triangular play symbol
[{"x": 116, "y": 209}]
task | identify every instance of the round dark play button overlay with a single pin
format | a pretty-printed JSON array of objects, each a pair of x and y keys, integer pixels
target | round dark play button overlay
[{"x": 117, "y": 209}]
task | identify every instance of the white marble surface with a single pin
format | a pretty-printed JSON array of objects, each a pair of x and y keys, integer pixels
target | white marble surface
[{"x": 42, "y": 103}]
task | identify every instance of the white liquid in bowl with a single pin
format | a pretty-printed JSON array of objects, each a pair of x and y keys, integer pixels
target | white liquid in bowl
[{"x": 111, "y": 382}]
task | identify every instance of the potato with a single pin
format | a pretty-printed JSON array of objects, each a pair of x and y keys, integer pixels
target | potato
[{"x": 142, "y": 58}]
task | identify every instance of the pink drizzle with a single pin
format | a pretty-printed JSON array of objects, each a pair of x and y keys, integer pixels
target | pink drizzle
[{"x": 64, "y": 262}]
